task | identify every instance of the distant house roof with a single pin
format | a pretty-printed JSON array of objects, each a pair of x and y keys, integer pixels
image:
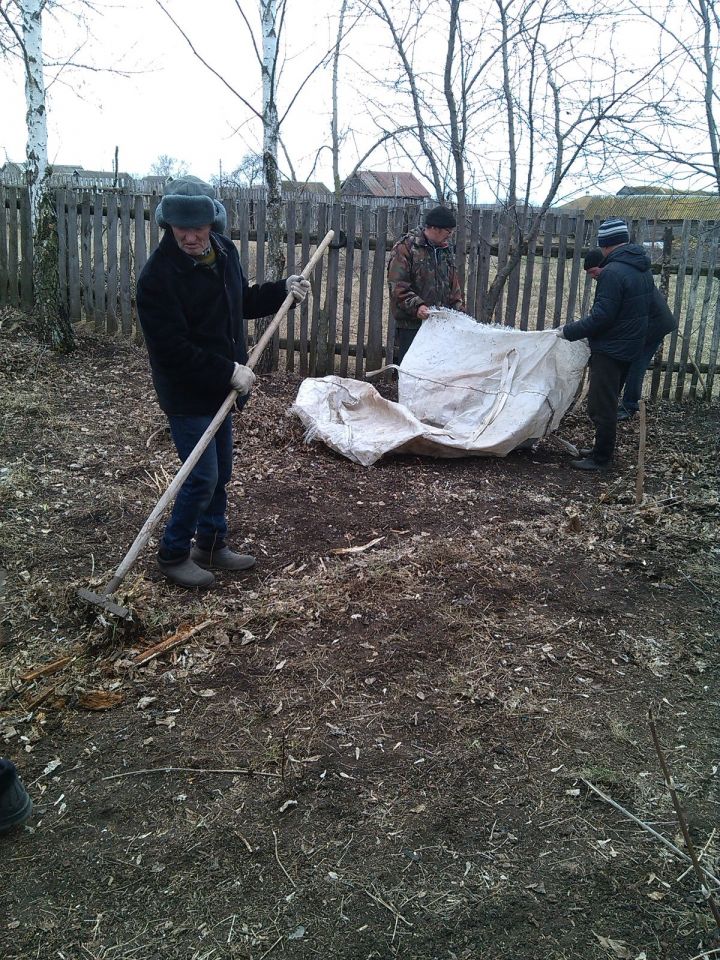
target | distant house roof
[
  {"x": 667, "y": 207},
  {"x": 384, "y": 183},
  {"x": 305, "y": 186}
]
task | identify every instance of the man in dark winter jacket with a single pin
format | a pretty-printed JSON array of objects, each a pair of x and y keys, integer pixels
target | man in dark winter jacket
[
  {"x": 615, "y": 328},
  {"x": 422, "y": 274},
  {"x": 661, "y": 322},
  {"x": 193, "y": 300}
]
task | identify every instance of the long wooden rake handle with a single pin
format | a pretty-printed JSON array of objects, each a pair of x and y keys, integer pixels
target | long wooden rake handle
[{"x": 184, "y": 471}]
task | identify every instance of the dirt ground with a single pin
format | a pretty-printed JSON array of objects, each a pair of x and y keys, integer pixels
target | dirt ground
[{"x": 372, "y": 754}]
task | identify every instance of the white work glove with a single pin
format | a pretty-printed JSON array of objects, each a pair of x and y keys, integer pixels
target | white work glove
[
  {"x": 298, "y": 286},
  {"x": 242, "y": 379},
  {"x": 558, "y": 331}
]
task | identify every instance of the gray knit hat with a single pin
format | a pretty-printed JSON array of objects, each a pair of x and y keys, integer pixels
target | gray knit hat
[
  {"x": 613, "y": 232},
  {"x": 190, "y": 202}
]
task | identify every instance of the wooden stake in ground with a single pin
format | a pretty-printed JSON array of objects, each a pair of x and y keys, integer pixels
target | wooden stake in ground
[
  {"x": 640, "y": 480},
  {"x": 683, "y": 822}
]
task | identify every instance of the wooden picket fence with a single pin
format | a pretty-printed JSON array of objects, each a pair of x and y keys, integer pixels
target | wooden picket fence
[{"x": 345, "y": 326}]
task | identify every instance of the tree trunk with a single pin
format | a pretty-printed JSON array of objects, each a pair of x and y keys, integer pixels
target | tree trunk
[
  {"x": 36, "y": 115},
  {"x": 271, "y": 135},
  {"x": 337, "y": 186},
  {"x": 456, "y": 146},
  {"x": 53, "y": 323}
]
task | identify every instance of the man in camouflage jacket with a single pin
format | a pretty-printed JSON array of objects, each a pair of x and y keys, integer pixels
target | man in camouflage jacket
[{"x": 422, "y": 274}]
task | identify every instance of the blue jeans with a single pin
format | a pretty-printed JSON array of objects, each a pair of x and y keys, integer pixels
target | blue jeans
[
  {"x": 636, "y": 375},
  {"x": 199, "y": 509}
]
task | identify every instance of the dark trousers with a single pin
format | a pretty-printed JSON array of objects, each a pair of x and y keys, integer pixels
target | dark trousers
[
  {"x": 636, "y": 375},
  {"x": 607, "y": 376},
  {"x": 199, "y": 509},
  {"x": 404, "y": 336}
]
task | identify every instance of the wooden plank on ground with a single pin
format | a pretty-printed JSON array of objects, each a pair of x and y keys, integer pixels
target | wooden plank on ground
[
  {"x": 125, "y": 266},
  {"x": 26, "y": 252},
  {"x": 290, "y": 215},
  {"x": 677, "y": 306},
  {"x": 350, "y": 222},
  {"x": 363, "y": 291},
  {"x": 86, "y": 246},
  {"x": 98, "y": 264},
  {"x": 700, "y": 251},
  {"x": 306, "y": 220},
  {"x": 111, "y": 308},
  {"x": 73, "y": 251},
  {"x": 13, "y": 259},
  {"x": 377, "y": 290}
]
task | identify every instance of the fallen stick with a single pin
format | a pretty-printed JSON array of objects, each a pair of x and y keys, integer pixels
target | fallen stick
[
  {"x": 180, "y": 636},
  {"x": 46, "y": 669},
  {"x": 41, "y": 698},
  {"x": 669, "y": 783},
  {"x": 231, "y": 770},
  {"x": 279, "y": 861},
  {"x": 358, "y": 549},
  {"x": 658, "y": 836},
  {"x": 640, "y": 479}
]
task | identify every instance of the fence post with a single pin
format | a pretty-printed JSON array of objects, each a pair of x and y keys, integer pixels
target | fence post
[
  {"x": 377, "y": 289},
  {"x": 26, "y": 252}
]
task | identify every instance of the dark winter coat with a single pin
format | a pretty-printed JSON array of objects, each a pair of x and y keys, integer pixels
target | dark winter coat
[
  {"x": 661, "y": 319},
  {"x": 193, "y": 320},
  {"x": 420, "y": 273},
  {"x": 617, "y": 323}
]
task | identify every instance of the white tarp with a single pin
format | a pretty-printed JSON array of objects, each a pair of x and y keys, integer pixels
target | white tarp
[{"x": 464, "y": 388}]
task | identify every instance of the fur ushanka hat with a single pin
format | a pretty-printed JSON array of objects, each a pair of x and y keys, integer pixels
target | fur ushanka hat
[{"x": 190, "y": 202}]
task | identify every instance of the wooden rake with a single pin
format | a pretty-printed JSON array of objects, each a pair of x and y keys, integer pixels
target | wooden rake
[{"x": 104, "y": 599}]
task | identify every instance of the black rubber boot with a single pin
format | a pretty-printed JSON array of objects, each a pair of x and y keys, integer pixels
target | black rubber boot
[
  {"x": 15, "y": 804},
  {"x": 589, "y": 465}
]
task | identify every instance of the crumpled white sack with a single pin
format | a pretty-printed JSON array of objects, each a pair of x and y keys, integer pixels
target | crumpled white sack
[{"x": 464, "y": 388}]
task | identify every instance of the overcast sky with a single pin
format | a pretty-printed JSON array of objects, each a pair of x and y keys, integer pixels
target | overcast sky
[{"x": 171, "y": 104}]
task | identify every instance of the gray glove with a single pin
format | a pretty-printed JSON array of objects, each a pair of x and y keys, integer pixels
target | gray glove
[
  {"x": 559, "y": 332},
  {"x": 242, "y": 379},
  {"x": 298, "y": 286}
]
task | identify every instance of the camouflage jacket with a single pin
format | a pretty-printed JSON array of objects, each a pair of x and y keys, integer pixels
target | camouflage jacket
[{"x": 419, "y": 273}]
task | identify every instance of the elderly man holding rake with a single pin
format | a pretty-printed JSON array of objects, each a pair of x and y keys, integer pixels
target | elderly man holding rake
[{"x": 193, "y": 300}]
